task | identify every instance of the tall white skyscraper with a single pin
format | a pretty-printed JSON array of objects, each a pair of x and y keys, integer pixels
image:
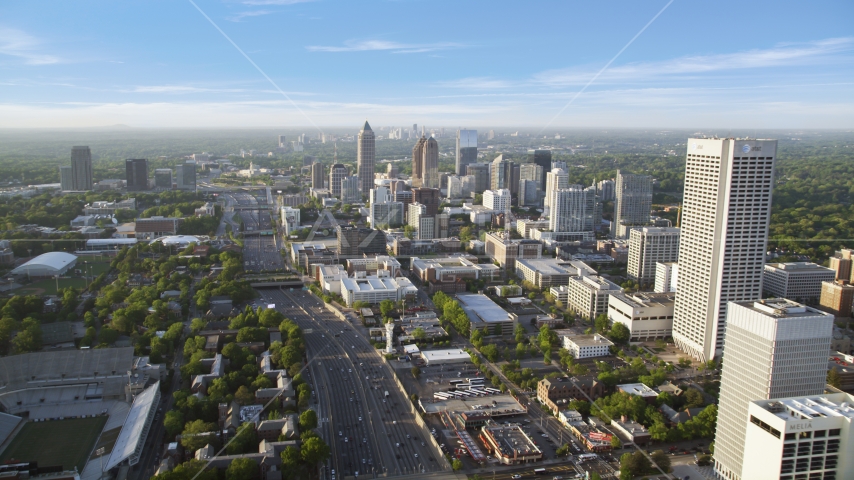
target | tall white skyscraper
[
  {"x": 573, "y": 209},
  {"x": 648, "y": 246},
  {"x": 366, "y": 157},
  {"x": 723, "y": 237},
  {"x": 632, "y": 204},
  {"x": 556, "y": 179},
  {"x": 774, "y": 348}
]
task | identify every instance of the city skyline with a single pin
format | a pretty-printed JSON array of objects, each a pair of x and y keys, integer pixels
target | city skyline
[{"x": 790, "y": 70}]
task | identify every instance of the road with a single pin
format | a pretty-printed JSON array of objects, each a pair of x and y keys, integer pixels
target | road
[
  {"x": 260, "y": 252},
  {"x": 350, "y": 379},
  {"x": 151, "y": 452}
]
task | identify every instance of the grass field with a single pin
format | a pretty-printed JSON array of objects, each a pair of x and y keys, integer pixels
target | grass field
[
  {"x": 48, "y": 287},
  {"x": 59, "y": 442}
]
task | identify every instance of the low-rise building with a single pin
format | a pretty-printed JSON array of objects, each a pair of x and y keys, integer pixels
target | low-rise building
[
  {"x": 560, "y": 293},
  {"x": 550, "y": 272},
  {"x": 639, "y": 390},
  {"x": 798, "y": 281},
  {"x": 588, "y": 295},
  {"x": 631, "y": 431},
  {"x": 451, "y": 269},
  {"x": 587, "y": 346},
  {"x": 157, "y": 226},
  {"x": 484, "y": 314},
  {"x": 837, "y": 297},
  {"x": 510, "y": 444},
  {"x": 372, "y": 264},
  {"x": 556, "y": 394},
  {"x": 375, "y": 288},
  {"x": 405, "y": 246},
  {"x": 647, "y": 315},
  {"x": 504, "y": 250},
  {"x": 306, "y": 254}
]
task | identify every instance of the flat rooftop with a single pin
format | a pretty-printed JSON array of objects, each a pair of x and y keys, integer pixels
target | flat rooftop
[
  {"x": 782, "y": 308},
  {"x": 800, "y": 267},
  {"x": 504, "y": 405},
  {"x": 638, "y": 389},
  {"x": 483, "y": 308},
  {"x": 804, "y": 408},
  {"x": 589, "y": 340},
  {"x": 551, "y": 266},
  {"x": 510, "y": 439},
  {"x": 445, "y": 355},
  {"x": 647, "y": 299}
]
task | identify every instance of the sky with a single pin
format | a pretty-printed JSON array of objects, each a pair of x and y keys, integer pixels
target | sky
[{"x": 321, "y": 63}]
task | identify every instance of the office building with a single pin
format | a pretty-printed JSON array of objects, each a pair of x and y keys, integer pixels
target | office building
[
  {"x": 501, "y": 173},
  {"x": 588, "y": 295},
  {"x": 359, "y": 241},
  {"x": 418, "y": 163},
  {"x": 504, "y": 250},
  {"x": 366, "y": 157},
  {"x": 587, "y": 346},
  {"x": 466, "y": 150},
  {"x": 136, "y": 174},
  {"x": 379, "y": 195},
  {"x": 81, "y": 169},
  {"x": 550, "y": 272},
  {"x": 163, "y": 178},
  {"x": 543, "y": 159},
  {"x": 573, "y": 209},
  {"x": 374, "y": 289},
  {"x": 723, "y": 237},
  {"x": 798, "y": 281},
  {"x": 514, "y": 179},
  {"x": 387, "y": 213},
  {"x": 282, "y": 141},
  {"x": 555, "y": 180},
  {"x": 774, "y": 348},
  {"x": 606, "y": 190},
  {"x": 290, "y": 219},
  {"x": 424, "y": 224},
  {"x": 497, "y": 200},
  {"x": 350, "y": 190},
  {"x": 337, "y": 173},
  {"x": 480, "y": 172},
  {"x": 840, "y": 262},
  {"x": 308, "y": 160},
  {"x": 632, "y": 203},
  {"x": 430, "y": 164},
  {"x": 647, "y": 315},
  {"x": 186, "y": 176},
  {"x": 836, "y": 297},
  {"x": 429, "y": 197},
  {"x": 455, "y": 187},
  {"x": 317, "y": 175},
  {"x": 484, "y": 314},
  {"x": 800, "y": 437},
  {"x": 391, "y": 171},
  {"x": 649, "y": 246},
  {"x": 666, "y": 276},
  {"x": 529, "y": 194},
  {"x": 157, "y": 226},
  {"x": 65, "y": 182}
]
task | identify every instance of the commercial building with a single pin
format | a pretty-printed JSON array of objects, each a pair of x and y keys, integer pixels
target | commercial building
[
  {"x": 317, "y": 175},
  {"x": 290, "y": 219},
  {"x": 65, "y": 182},
  {"x": 423, "y": 223},
  {"x": 556, "y": 179},
  {"x": 452, "y": 269},
  {"x": 631, "y": 431},
  {"x": 509, "y": 444},
  {"x": 157, "y": 226},
  {"x": 500, "y": 173},
  {"x": 550, "y": 272},
  {"x": 649, "y": 246},
  {"x": 48, "y": 264},
  {"x": 430, "y": 164},
  {"x": 81, "y": 169},
  {"x": 387, "y": 213},
  {"x": 136, "y": 174},
  {"x": 485, "y": 314},
  {"x": 774, "y": 348},
  {"x": 799, "y": 281},
  {"x": 186, "y": 176},
  {"x": 405, "y": 246},
  {"x": 723, "y": 237},
  {"x": 647, "y": 315},
  {"x": 497, "y": 200},
  {"x": 632, "y": 204},
  {"x": 359, "y": 241},
  {"x": 588, "y": 295},
  {"x": 374, "y": 289},
  {"x": 840, "y": 262},
  {"x": 556, "y": 394},
  {"x": 587, "y": 346},
  {"x": 480, "y": 172},
  {"x": 466, "y": 150},
  {"x": 639, "y": 390},
  {"x": 350, "y": 190},
  {"x": 504, "y": 250},
  {"x": 365, "y": 158},
  {"x": 836, "y": 297},
  {"x": 666, "y": 276},
  {"x": 337, "y": 172},
  {"x": 606, "y": 190},
  {"x": 163, "y": 178},
  {"x": 572, "y": 209},
  {"x": 534, "y": 172},
  {"x": 429, "y": 197},
  {"x": 445, "y": 357},
  {"x": 543, "y": 159}
]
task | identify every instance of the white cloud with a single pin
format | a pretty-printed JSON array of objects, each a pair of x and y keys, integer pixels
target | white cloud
[
  {"x": 254, "y": 13},
  {"x": 384, "y": 45},
  {"x": 477, "y": 83},
  {"x": 17, "y": 43},
  {"x": 182, "y": 89}
]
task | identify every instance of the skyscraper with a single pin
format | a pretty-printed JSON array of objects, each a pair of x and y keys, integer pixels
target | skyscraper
[
  {"x": 535, "y": 173},
  {"x": 501, "y": 173},
  {"x": 65, "y": 182},
  {"x": 632, "y": 204},
  {"x": 308, "y": 160},
  {"x": 81, "y": 169},
  {"x": 466, "y": 149},
  {"x": 429, "y": 197},
  {"x": 163, "y": 178},
  {"x": 774, "y": 348},
  {"x": 350, "y": 189},
  {"x": 573, "y": 209},
  {"x": 391, "y": 173},
  {"x": 317, "y": 175},
  {"x": 186, "y": 176},
  {"x": 365, "y": 158},
  {"x": 418, "y": 162},
  {"x": 480, "y": 172},
  {"x": 555, "y": 180},
  {"x": 282, "y": 142},
  {"x": 648, "y": 246},
  {"x": 543, "y": 158},
  {"x": 430, "y": 164},
  {"x": 423, "y": 223},
  {"x": 136, "y": 174},
  {"x": 337, "y": 173},
  {"x": 723, "y": 237}
]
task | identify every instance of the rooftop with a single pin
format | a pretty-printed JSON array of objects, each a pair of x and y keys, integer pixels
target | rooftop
[
  {"x": 134, "y": 430},
  {"x": 589, "y": 340},
  {"x": 452, "y": 353},
  {"x": 805, "y": 408},
  {"x": 510, "y": 439},
  {"x": 782, "y": 308},
  {"x": 647, "y": 299},
  {"x": 799, "y": 267},
  {"x": 551, "y": 266},
  {"x": 485, "y": 309},
  {"x": 638, "y": 389}
]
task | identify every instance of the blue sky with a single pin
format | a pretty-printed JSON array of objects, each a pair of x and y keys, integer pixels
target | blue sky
[{"x": 757, "y": 64}]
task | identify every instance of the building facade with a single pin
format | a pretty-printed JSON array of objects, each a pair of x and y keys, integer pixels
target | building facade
[
  {"x": 666, "y": 277},
  {"x": 501, "y": 173},
  {"x": 480, "y": 172},
  {"x": 163, "y": 178},
  {"x": 466, "y": 150},
  {"x": 65, "y": 182},
  {"x": 337, "y": 173},
  {"x": 81, "y": 169},
  {"x": 365, "y": 158},
  {"x": 504, "y": 250},
  {"x": 588, "y": 295},
  {"x": 555, "y": 180},
  {"x": 543, "y": 159},
  {"x": 136, "y": 174},
  {"x": 649, "y": 246},
  {"x": 648, "y": 316},
  {"x": 572, "y": 209},
  {"x": 317, "y": 175},
  {"x": 632, "y": 204},
  {"x": 350, "y": 190},
  {"x": 360, "y": 241},
  {"x": 387, "y": 213},
  {"x": 798, "y": 281},
  {"x": 587, "y": 346},
  {"x": 497, "y": 200},
  {"x": 186, "y": 176},
  {"x": 836, "y": 297}
]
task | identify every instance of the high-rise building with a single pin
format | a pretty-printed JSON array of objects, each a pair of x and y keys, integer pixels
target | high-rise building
[
  {"x": 136, "y": 174},
  {"x": 359, "y": 241},
  {"x": 429, "y": 197},
  {"x": 430, "y": 164},
  {"x": 466, "y": 150},
  {"x": 497, "y": 200},
  {"x": 501, "y": 173},
  {"x": 774, "y": 348},
  {"x": 841, "y": 263},
  {"x": 350, "y": 189},
  {"x": 282, "y": 142},
  {"x": 514, "y": 179},
  {"x": 392, "y": 172},
  {"x": 419, "y": 219},
  {"x": 418, "y": 162},
  {"x": 490, "y": 135},
  {"x": 308, "y": 160},
  {"x": 666, "y": 277},
  {"x": 535, "y": 173},
  {"x": 317, "y": 175},
  {"x": 529, "y": 193},
  {"x": 836, "y": 297},
  {"x": 573, "y": 209},
  {"x": 81, "y": 169},
  {"x": 379, "y": 195},
  {"x": 480, "y": 172},
  {"x": 555, "y": 180},
  {"x": 163, "y": 178},
  {"x": 455, "y": 187},
  {"x": 723, "y": 237},
  {"x": 386, "y": 213},
  {"x": 543, "y": 158},
  {"x": 649, "y": 246},
  {"x": 337, "y": 173},
  {"x": 365, "y": 158},
  {"x": 606, "y": 190},
  {"x": 468, "y": 185},
  {"x": 186, "y": 175},
  {"x": 65, "y": 182},
  {"x": 632, "y": 203}
]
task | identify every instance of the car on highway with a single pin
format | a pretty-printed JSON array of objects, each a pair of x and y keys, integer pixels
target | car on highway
[{"x": 516, "y": 476}]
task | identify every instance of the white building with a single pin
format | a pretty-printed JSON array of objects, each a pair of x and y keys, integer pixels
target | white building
[
  {"x": 799, "y": 281},
  {"x": 387, "y": 213},
  {"x": 632, "y": 203},
  {"x": 290, "y": 219},
  {"x": 380, "y": 194},
  {"x": 649, "y": 246},
  {"x": 330, "y": 276},
  {"x": 48, "y": 264},
  {"x": 800, "y": 437},
  {"x": 573, "y": 209},
  {"x": 588, "y": 295},
  {"x": 424, "y": 225},
  {"x": 455, "y": 187},
  {"x": 560, "y": 293},
  {"x": 445, "y": 357},
  {"x": 555, "y": 180},
  {"x": 587, "y": 346},
  {"x": 647, "y": 315},
  {"x": 774, "y": 348},
  {"x": 497, "y": 200},
  {"x": 724, "y": 235},
  {"x": 550, "y": 272},
  {"x": 376, "y": 288},
  {"x": 666, "y": 276}
]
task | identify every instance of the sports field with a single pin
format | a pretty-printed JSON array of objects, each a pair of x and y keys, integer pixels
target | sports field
[{"x": 58, "y": 442}]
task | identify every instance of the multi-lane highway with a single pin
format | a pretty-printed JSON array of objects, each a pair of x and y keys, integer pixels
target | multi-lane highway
[
  {"x": 260, "y": 252},
  {"x": 363, "y": 416}
]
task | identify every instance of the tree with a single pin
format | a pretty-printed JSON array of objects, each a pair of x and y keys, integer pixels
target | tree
[
  {"x": 490, "y": 352},
  {"x": 190, "y": 438},
  {"x": 456, "y": 464},
  {"x": 704, "y": 460},
  {"x": 409, "y": 231},
  {"x": 602, "y": 323},
  {"x": 245, "y": 441},
  {"x": 619, "y": 333},
  {"x": 314, "y": 450},
  {"x": 563, "y": 450},
  {"x": 615, "y": 442},
  {"x": 595, "y": 476},
  {"x": 386, "y": 307},
  {"x": 661, "y": 459},
  {"x": 416, "y": 372},
  {"x": 173, "y": 422},
  {"x": 632, "y": 465},
  {"x": 29, "y": 338},
  {"x": 833, "y": 378},
  {"x": 241, "y": 469},
  {"x": 694, "y": 398},
  {"x": 290, "y": 462},
  {"x": 307, "y": 420}
]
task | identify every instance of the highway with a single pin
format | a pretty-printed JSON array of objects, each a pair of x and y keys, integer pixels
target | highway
[
  {"x": 260, "y": 252},
  {"x": 368, "y": 433}
]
